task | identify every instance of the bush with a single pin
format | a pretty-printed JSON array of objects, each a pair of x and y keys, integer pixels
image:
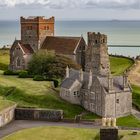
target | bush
[
  {"x": 50, "y": 65},
  {"x": 23, "y": 74},
  {"x": 38, "y": 78},
  {"x": 10, "y": 72},
  {"x": 56, "y": 83}
]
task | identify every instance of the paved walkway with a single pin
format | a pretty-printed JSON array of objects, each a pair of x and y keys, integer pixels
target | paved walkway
[
  {"x": 136, "y": 113},
  {"x": 21, "y": 124},
  {"x": 24, "y": 124}
]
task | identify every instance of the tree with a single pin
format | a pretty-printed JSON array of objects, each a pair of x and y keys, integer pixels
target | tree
[{"x": 49, "y": 64}]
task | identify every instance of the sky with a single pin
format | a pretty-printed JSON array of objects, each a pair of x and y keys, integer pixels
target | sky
[{"x": 71, "y": 9}]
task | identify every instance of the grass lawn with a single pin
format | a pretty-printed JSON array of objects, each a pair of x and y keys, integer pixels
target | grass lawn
[
  {"x": 54, "y": 133},
  {"x": 119, "y": 65},
  {"x": 65, "y": 133},
  {"x": 5, "y": 103},
  {"x": 29, "y": 93},
  {"x": 129, "y": 121},
  {"x": 4, "y": 59},
  {"x": 128, "y": 135},
  {"x": 136, "y": 95}
]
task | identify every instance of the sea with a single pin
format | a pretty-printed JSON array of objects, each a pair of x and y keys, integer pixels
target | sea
[{"x": 123, "y": 36}]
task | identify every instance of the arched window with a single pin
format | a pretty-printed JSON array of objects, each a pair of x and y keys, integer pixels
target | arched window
[
  {"x": 18, "y": 62},
  {"x": 96, "y": 41}
]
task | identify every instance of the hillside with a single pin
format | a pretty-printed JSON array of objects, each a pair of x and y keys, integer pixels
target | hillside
[{"x": 29, "y": 93}]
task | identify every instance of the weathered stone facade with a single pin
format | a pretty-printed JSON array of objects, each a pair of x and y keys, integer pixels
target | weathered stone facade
[
  {"x": 7, "y": 115},
  {"x": 35, "y": 29},
  {"x": 96, "y": 89},
  {"x": 38, "y": 114},
  {"x": 97, "y": 58}
]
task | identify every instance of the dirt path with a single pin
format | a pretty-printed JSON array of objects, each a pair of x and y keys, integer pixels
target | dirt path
[{"x": 134, "y": 74}]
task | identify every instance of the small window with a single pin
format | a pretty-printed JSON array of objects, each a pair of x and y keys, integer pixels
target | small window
[
  {"x": 18, "y": 62},
  {"x": 48, "y": 28},
  {"x": 117, "y": 101},
  {"x": 76, "y": 94},
  {"x": 96, "y": 41}
]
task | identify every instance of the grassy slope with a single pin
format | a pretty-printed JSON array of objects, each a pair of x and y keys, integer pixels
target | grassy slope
[
  {"x": 119, "y": 65},
  {"x": 5, "y": 104},
  {"x": 54, "y": 133},
  {"x": 129, "y": 121},
  {"x": 4, "y": 59},
  {"x": 136, "y": 95}
]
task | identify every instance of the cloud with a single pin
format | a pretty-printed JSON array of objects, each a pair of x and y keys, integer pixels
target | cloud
[{"x": 60, "y": 4}]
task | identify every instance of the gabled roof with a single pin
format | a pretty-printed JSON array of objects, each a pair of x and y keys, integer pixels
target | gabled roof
[
  {"x": 27, "y": 49},
  {"x": 74, "y": 75},
  {"x": 62, "y": 45}
]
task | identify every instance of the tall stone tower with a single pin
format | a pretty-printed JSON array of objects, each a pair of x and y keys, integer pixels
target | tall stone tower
[
  {"x": 35, "y": 29},
  {"x": 97, "y": 58}
]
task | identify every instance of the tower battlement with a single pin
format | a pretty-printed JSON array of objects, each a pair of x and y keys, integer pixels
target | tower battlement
[
  {"x": 97, "y": 59},
  {"x": 35, "y": 29},
  {"x": 37, "y": 19},
  {"x": 97, "y": 38}
]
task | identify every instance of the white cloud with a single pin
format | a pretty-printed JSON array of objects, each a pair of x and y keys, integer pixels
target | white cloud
[{"x": 60, "y": 4}]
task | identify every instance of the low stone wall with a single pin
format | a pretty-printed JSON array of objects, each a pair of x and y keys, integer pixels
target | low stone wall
[
  {"x": 38, "y": 114},
  {"x": 7, "y": 115}
]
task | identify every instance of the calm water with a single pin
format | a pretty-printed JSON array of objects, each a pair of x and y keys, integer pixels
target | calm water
[{"x": 119, "y": 33}]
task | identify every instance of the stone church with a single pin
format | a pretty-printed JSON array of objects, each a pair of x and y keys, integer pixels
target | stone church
[
  {"x": 96, "y": 89},
  {"x": 38, "y": 33}
]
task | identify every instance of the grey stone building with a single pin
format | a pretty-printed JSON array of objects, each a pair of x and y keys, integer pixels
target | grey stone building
[
  {"x": 37, "y": 33},
  {"x": 96, "y": 89}
]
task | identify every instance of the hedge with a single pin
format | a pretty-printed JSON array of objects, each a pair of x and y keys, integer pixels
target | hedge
[{"x": 10, "y": 72}]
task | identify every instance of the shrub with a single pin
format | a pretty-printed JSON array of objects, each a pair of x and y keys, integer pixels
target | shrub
[
  {"x": 56, "y": 83},
  {"x": 23, "y": 74},
  {"x": 38, "y": 78},
  {"x": 50, "y": 65},
  {"x": 10, "y": 72}
]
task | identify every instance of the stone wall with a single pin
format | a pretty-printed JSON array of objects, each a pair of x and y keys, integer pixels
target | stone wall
[
  {"x": 38, "y": 114},
  {"x": 7, "y": 115}
]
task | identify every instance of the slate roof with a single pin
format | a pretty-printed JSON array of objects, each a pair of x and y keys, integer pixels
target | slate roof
[
  {"x": 67, "y": 83},
  {"x": 74, "y": 75},
  {"x": 62, "y": 45},
  {"x": 25, "y": 47}
]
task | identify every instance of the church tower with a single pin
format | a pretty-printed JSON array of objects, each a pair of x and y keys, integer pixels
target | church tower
[
  {"x": 35, "y": 29},
  {"x": 97, "y": 58}
]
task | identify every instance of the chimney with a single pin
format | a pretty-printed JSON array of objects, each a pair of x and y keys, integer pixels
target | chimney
[
  {"x": 125, "y": 82},
  {"x": 110, "y": 83},
  {"x": 81, "y": 75},
  {"x": 90, "y": 79},
  {"x": 67, "y": 72}
]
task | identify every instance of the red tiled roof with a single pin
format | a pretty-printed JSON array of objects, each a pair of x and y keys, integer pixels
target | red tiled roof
[
  {"x": 62, "y": 45},
  {"x": 26, "y": 47}
]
